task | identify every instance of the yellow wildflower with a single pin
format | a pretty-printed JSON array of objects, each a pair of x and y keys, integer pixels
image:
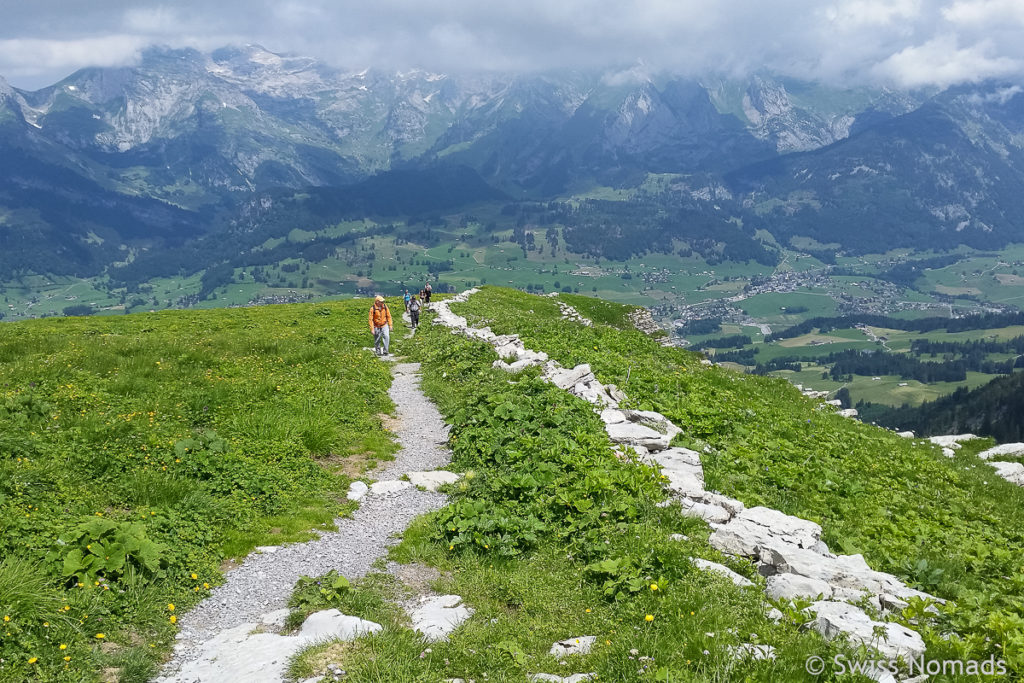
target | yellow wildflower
[
  {"x": 63, "y": 646},
  {"x": 649, "y": 617},
  {"x": 101, "y": 636},
  {"x": 33, "y": 660},
  {"x": 170, "y": 607},
  {"x": 654, "y": 586}
]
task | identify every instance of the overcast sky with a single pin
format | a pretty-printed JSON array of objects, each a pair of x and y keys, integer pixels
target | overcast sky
[{"x": 897, "y": 42}]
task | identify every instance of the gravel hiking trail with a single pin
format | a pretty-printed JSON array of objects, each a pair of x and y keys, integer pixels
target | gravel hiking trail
[{"x": 264, "y": 581}]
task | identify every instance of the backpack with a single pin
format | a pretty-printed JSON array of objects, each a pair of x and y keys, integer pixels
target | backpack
[{"x": 414, "y": 305}]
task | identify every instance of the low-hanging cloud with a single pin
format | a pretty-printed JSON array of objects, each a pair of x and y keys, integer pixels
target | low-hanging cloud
[{"x": 905, "y": 43}]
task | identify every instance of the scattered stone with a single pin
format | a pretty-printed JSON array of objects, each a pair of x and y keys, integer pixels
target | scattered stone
[
  {"x": 839, "y": 618},
  {"x": 575, "y": 678},
  {"x": 706, "y": 565},
  {"x": 1006, "y": 449},
  {"x": 678, "y": 537},
  {"x": 267, "y": 549},
  {"x": 573, "y": 646},
  {"x": 948, "y": 452},
  {"x": 848, "y": 412},
  {"x": 333, "y": 624},
  {"x": 751, "y": 651},
  {"x": 436, "y": 617},
  {"x": 951, "y": 440},
  {"x": 357, "y": 489},
  {"x": 906, "y": 435},
  {"x": 379, "y": 488},
  {"x": 432, "y": 480}
]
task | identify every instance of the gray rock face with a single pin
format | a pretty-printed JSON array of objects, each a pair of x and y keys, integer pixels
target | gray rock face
[
  {"x": 580, "y": 645},
  {"x": 436, "y": 617},
  {"x": 839, "y": 618}
]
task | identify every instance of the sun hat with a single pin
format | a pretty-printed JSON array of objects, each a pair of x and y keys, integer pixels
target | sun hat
[{"x": 379, "y": 298}]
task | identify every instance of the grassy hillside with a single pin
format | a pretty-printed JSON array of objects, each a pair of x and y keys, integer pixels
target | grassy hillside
[
  {"x": 948, "y": 526},
  {"x": 138, "y": 452},
  {"x": 550, "y": 536}
]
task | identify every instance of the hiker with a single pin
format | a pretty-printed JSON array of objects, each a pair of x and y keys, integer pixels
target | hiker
[
  {"x": 414, "y": 312},
  {"x": 426, "y": 293},
  {"x": 406, "y": 299},
  {"x": 380, "y": 325}
]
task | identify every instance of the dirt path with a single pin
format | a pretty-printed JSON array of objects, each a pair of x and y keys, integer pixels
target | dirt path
[{"x": 264, "y": 581}]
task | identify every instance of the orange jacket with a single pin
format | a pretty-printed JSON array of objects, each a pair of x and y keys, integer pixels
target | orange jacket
[{"x": 379, "y": 317}]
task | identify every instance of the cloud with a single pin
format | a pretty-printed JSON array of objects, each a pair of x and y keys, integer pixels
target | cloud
[
  {"x": 25, "y": 58},
  {"x": 942, "y": 62},
  {"x": 902, "y": 42}
]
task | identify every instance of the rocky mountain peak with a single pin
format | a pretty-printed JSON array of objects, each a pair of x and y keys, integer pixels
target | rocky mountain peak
[{"x": 764, "y": 100}]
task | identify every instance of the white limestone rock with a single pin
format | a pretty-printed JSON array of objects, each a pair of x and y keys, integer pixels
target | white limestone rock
[
  {"x": 574, "y": 678},
  {"x": 437, "y": 617},
  {"x": 948, "y": 452},
  {"x": 357, "y": 490},
  {"x": 566, "y": 378},
  {"x": 721, "y": 569},
  {"x": 333, "y": 624},
  {"x": 839, "y": 618},
  {"x": 760, "y": 527},
  {"x": 906, "y": 435},
  {"x": 580, "y": 645},
  {"x": 610, "y": 416},
  {"x": 1012, "y": 472},
  {"x": 240, "y": 655},
  {"x": 632, "y": 434},
  {"x": 792, "y": 586},
  {"x": 1003, "y": 450},
  {"x": 682, "y": 468},
  {"x": 432, "y": 480},
  {"x": 276, "y": 618},
  {"x": 951, "y": 440},
  {"x": 709, "y": 513},
  {"x": 847, "y": 412},
  {"x": 390, "y": 486}
]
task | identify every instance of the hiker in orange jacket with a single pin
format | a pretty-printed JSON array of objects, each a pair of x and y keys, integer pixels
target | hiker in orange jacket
[{"x": 380, "y": 326}]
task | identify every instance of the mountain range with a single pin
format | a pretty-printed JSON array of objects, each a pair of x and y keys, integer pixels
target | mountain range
[{"x": 186, "y": 143}]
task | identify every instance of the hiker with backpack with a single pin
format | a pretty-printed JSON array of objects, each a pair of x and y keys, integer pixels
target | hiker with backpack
[
  {"x": 406, "y": 300},
  {"x": 380, "y": 326},
  {"x": 426, "y": 293},
  {"x": 414, "y": 312}
]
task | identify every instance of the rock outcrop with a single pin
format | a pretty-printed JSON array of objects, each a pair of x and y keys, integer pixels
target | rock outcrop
[{"x": 787, "y": 549}]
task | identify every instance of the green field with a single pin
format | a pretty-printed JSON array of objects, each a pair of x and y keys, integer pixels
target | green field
[{"x": 138, "y": 452}]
